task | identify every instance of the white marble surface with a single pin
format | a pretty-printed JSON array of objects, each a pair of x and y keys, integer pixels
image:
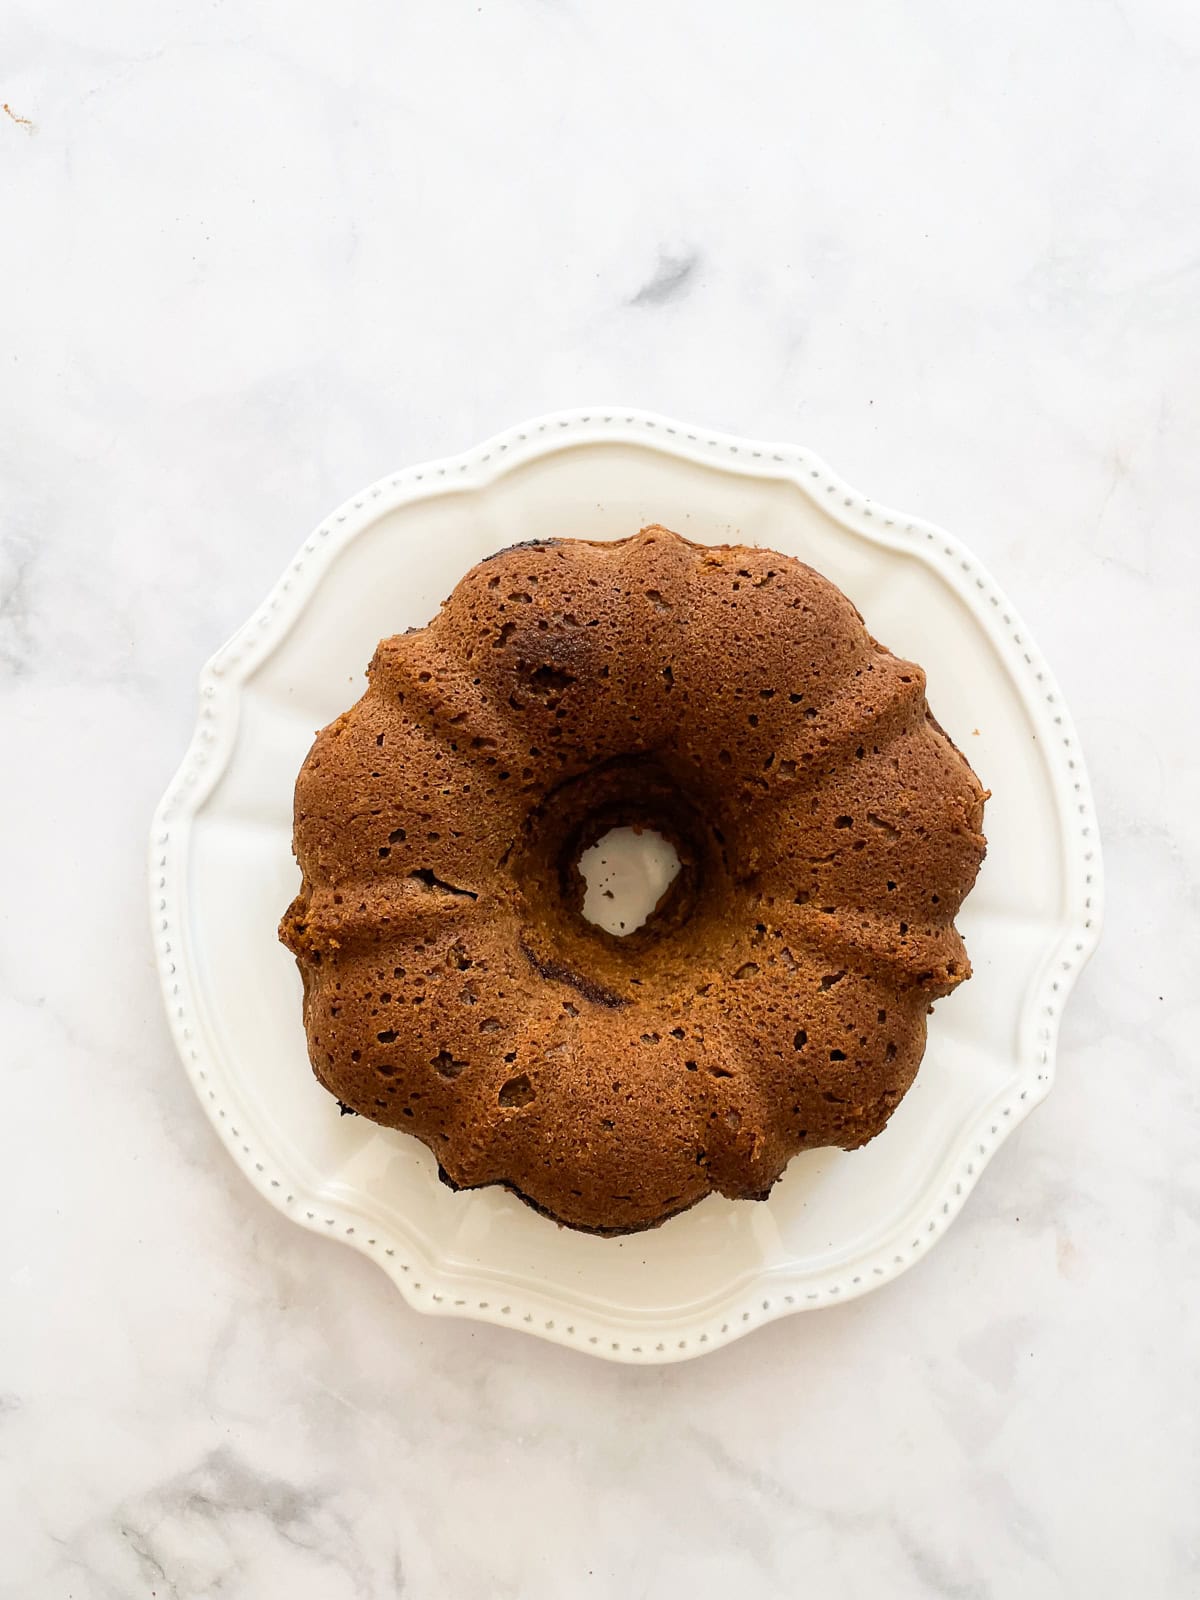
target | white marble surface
[{"x": 255, "y": 255}]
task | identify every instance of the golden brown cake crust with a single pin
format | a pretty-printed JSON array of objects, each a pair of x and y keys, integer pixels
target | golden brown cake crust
[{"x": 775, "y": 1002}]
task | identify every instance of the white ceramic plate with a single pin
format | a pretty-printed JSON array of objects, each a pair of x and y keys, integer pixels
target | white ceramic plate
[{"x": 222, "y": 873}]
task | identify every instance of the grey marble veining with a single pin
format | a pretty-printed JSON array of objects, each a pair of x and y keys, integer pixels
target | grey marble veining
[{"x": 255, "y": 257}]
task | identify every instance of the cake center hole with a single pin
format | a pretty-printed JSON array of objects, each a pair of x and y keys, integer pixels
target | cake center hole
[{"x": 627, "y": 872}]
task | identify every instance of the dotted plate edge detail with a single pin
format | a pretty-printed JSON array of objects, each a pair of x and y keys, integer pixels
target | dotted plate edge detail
[{"x": 424, "y": 1287}]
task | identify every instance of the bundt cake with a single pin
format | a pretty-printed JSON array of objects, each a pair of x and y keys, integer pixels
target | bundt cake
[{"x": 775, "y": 1001}]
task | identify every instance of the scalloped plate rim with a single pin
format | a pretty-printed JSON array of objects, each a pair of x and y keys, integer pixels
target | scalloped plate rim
[{"x": 440, "y": 1289}]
